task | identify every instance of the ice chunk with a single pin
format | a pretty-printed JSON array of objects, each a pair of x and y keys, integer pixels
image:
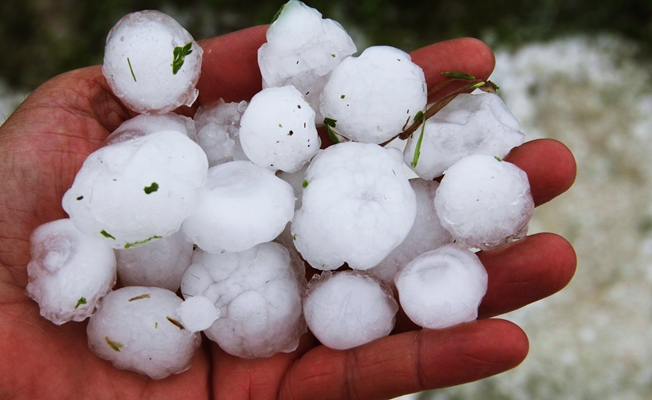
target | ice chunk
[
  {"x": 218, "y": 127},
  {"x": 142, "y": 125},
  {"x": 136, "y": 328},
  {"x": 442, "y": 287},
  {"x": 152, "y": 63},
  {"x": 258, "y": 293},
  {"x": 241, "y": 206},
  {"x": 197, "y": 313},
  {"x": 357, "y": 206},
  {"x": 69, "y": 272},
  {"x": 484, "y": 202},
  {"x": 348, "y": 309}
]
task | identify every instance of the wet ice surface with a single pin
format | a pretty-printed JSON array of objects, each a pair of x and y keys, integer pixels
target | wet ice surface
[
  {"x": 301, "y": 50},
  {"x": 240, "y": 206},
  {"x": 137, "y": 190},
  {"x": 218, "y": 131},
  {"x": 442, "y": 287},
  {"x": 144, "y": 67},
  {"x": 484, "y": 202},
  {"x": 137, "y": 328},
  {"x": 258, "y": 294},
  {"x": 470, "y": 124},
  {"x": 69, "y": 272},
  {"x": 375, "y": 96},
  {"x": 348, "y": 309},
  {"x": 357, "y": 206}
]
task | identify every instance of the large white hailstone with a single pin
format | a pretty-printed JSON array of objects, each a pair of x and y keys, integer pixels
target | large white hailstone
[
  {"x": 258, "y": 294},
  {"x": 240, "y": 206},
  {"x": 69, "y": 272},
  {"x": 426, "y": 233},
  {"x": 442, "y": 287},
  {"x": 470, "y": 124},
  {"x": 159, "y": 263},
  {"x": 218, "y": 130},
  {"x": 357, "y": 206},
  {"x": 136, "y": 328},
  {"x": 484, "y": 202},
  {"x": 197, "y": 313},
  {"x": 142, "y": 125},
  {"x": 278, "y": 130},
  {"x": 374, "y": 97},
  {"x": 152, "y": 63},
  {"x": 137, "y": 190},
  {"x": 301, "y": 50},
  {"x": 348, "y": 309}
]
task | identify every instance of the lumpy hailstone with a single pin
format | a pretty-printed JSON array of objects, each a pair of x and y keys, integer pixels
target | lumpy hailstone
[
  {"x": 373, "y": 97},
  {"x": 470, "y": 124},
  {"x": 197, "y": 313},
  {"x": 258, "y": 293},
  {"x": 357, "y": 206},
  {"x": 484, "y": 202},
  {"x": 69, "y": 271},
  {"x": 301, "y": 50},
  {"x": 278, "y": 130},
  {"x": 142, "y": 125},
  {"x": 348, "y": 309},
  {"x": 442, "y": 287},
  {"x": 218, "y": 131},
  {"x": 145, "y": 69},
  {"x": 137, "y": 190},
  {"x": 137, "y": 329},
  {"x": 240, "y": 206}
]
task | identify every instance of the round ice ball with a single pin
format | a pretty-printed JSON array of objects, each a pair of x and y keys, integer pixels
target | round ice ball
[
  {"x": 348, "y": 309},
  {"x": 136, "y": 328},
  {"x": 69, "y": 271},
  {"x": 442, "y": 287},
  {"x": 197, "y": 313},
  {"x": 152, "y": 63},
  {"x": 484, "y": 202}
]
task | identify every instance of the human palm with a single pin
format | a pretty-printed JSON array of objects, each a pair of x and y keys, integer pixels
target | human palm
[{"x": 42, "y": 146}]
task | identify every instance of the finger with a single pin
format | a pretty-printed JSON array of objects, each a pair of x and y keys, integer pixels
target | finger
[
  {"x": 550, "y": 167},
  {"x": 407, "y": 363},
  {"x": 526, "y": 271}
]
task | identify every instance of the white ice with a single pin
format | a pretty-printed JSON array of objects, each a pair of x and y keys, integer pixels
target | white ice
[
  {"x": 142, "y": 125},
  {"x": 218, "y": 130},
  {"x": 197, "y": 313}
]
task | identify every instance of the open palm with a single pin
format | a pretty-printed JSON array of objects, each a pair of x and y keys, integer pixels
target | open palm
[{"x": 42, "y": 146}]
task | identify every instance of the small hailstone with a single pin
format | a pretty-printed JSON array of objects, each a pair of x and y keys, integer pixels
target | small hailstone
[
  {"x": 69, "y": 272},
  {"x": 258, "y": 293},
  {"x": 159, "y": 263},
  {"x": 301, "y": 50},
  {"x": 142, "y": 125},
  {"x": 357, "y": 206},
  {"x": 373, "y": 97},
  {"x": 470, "y": 124},
  {"x": 152, "y": 63},
  {"x": 484, "y": 202},
  {"x": 136, "y": 328},
  {"x": 197, "y": 313},
  {"x": 348, "y": 309},
  {"x": 426, "y": 233},
  {"x": 278, "y": 130},
  {"x": 442, "y": 287},
  {"x": 240, "y": 206},
  {"x": 137, "y": 190},
  {"x": 218, "y": 127}
]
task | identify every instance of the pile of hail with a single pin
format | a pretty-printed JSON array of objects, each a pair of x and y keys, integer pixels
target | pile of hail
[{"x": 228, "y": 207}]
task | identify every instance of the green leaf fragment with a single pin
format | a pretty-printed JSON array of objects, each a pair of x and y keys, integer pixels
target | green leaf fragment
[
  {"x": 476, "y": 85},
  {"x": 151, "y": 188},
  {"x": 81, "y": 301},
  {"x": 175, "y": 323},
  {"x": 294, "y": 237},
  {"x": 333, "y": 55},
  {"x": 305, "y": 183},
  {"x": 342, "y": 96},
  {"x": 142, "y": 296},
  {"x": 179, "y": 54},
  {"x": 131, "y": 70},
  {"x": 106, "y": 234},
  {"x": 155, "y": 325},
  {"x": 134, "y": 244},
  {"x": 418, "y": 116},
  {"x": 330, "y": 122},
  {"x": 417, "y": 150},
  {"x": 498, "y": 158},
  {"x": 459, "y": 75},
  {"x": 114, "y": 345},
  {"x": 80, "y": 197},
  {"x": 278, "y": 13},
  {"x": 331, "y": 135}
]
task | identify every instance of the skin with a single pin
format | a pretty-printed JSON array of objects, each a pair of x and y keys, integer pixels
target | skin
[{"x": 45, "y": 141}]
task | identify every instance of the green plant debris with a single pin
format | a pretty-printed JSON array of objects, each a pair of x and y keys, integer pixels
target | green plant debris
[
  {"x": 80, "y": 198},
  {"x": 151, "y": 188},
  {"x": 179, "y": 55},
  {"x": 131, "y": 70},
  {"x": 155, "y": 325},
  {"x": 142, "y": 296},
  {"x": 498, "y": 158},
  {"x": 278, "y": 13},
  {"x": 459, "y": 75},
  {"x": 305, "y": 183},
  {"x": 417, "y": 150},
  {"x": 81, "y": 301},
  {"x": 116, "y": 346},
  {"x": 418, "y": 116},
  {"x": 333, "y": 55},
  {"x": 476, "y": 85},
  {"x": 175, "y": 323},
  {"x": 134, "y": 244},
  {"x": 106, "y": 234},
  {"x": 342, "y": 96},
  {"x": 294, "y": 237},
  {"x": 330, "y": 124}
]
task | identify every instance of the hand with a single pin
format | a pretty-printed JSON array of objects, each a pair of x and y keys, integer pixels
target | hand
[{"x": 43, "y": 145}]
